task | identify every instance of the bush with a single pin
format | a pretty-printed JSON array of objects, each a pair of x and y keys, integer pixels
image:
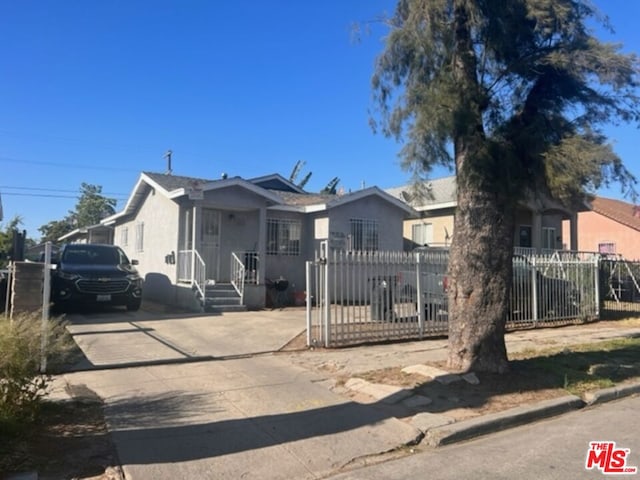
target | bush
[{"x": 22, "y": 385}]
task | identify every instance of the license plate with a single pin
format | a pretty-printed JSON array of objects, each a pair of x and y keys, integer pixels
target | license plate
[{"x": 103, "y": 298}]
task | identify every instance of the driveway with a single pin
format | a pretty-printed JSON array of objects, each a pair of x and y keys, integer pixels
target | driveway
[
  {"x": 115, "y": 337},
  {"x": 253, "y": 417}
]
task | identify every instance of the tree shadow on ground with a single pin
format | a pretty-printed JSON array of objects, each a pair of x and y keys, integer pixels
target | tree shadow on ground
[
  {"x": 529, "y": 380},
  {"x": 178, "y": 426}
]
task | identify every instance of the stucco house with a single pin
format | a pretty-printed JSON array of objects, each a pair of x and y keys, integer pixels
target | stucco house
[
  {"x": 229, "y": 239},
  {"x": 92, "y": 234},
  {"x": 610, "y": 227},
  {"x": 539, "y": 220}
]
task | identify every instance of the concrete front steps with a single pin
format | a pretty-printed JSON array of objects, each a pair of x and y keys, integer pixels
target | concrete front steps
[{"x": 222, "y": 297}]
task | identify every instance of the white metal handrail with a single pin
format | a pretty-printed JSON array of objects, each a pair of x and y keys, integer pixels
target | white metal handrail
[
  {"x": 192, "y": 269},
  {"x": 237, "y": 275},
  {"x": 200, "y": 273}
]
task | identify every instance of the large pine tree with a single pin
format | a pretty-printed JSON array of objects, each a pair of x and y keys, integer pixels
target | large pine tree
[{"x": 512, "y": 94}]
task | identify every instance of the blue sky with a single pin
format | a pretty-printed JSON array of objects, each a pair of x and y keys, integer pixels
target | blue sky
[{"x": 97, "y": 91}]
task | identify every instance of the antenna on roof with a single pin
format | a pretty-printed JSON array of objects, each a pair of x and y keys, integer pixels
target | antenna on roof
[{"x": 167, "y": 155}]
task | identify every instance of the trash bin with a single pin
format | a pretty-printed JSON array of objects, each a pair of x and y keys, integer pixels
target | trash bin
[{"x": 381, "y": 299}]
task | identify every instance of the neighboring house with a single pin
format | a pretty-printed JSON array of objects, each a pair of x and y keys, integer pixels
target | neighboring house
[
  {"x": 92, "y": 234},
  {"x": 538, "y": 220},
  {"x": 187, "y": 231},
  {"x": 611, "y": 226}
]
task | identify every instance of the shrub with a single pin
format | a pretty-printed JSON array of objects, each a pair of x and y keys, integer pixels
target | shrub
[{"x": 22, "y": 385}]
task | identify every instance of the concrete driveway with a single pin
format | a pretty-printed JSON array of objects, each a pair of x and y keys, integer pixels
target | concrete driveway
[
  {"x": 115, "y": 337},
  {"x": 252, "y": 417}
]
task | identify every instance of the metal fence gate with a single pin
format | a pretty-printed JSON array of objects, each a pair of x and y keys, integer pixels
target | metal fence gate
[
  {"x": 361, "y": 297},
  {"x": 619, "y": 286}
]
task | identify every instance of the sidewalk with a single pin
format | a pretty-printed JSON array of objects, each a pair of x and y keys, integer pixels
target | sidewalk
[{"x": 288, "y": 414}]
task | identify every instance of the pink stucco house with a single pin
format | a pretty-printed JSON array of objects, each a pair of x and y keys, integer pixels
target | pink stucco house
[{"x": 611, "y": 226}]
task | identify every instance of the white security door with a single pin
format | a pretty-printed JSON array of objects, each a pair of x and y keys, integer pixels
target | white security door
[{"x": 210, "y": 242}]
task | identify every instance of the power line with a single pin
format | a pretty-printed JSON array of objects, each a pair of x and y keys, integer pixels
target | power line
[
  {"x": 49, "y": 195},
  {"x": 57, "y": 190},
  {"x": 67, "y": 165}
]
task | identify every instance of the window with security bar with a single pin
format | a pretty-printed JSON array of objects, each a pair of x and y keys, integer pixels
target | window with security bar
[
  {"x": 283, "y": 236},
  {"x": 364, "y": 235}
]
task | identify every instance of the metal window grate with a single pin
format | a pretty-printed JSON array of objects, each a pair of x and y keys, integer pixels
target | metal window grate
[
  {"x": 364, "y": 235},
  {"x": 283, "y": 236}
]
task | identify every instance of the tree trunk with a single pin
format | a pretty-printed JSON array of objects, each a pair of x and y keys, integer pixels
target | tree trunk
[
  {"x": 481, "y": 253},
  {"x": 480, "y": 278}
]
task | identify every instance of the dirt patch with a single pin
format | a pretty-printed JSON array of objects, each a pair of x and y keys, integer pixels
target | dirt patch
[
  {"x": 461, "y": 400},
  {"x": 69, "y": 441}
]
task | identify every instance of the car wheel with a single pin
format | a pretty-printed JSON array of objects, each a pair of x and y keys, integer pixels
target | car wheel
[{"x": 134, "y": 305}]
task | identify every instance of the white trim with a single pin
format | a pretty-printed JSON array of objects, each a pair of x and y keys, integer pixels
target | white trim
[
  {"x": 437, "y": 206},
  {"x": 344, "y": 199},
  {"x": 276, "y": 176},
  {"x": 230, "y": 182}
]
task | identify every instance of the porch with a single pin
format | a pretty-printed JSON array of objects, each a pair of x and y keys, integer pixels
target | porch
[{"x": 242, "y": 289}]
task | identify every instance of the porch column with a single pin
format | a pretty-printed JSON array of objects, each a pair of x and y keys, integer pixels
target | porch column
[
  {"x": 197, "y": 225},
  {"x": 262, "y": 244},
  {"x": 573, "y": 232},
  {"x": 536, "y": 231}
]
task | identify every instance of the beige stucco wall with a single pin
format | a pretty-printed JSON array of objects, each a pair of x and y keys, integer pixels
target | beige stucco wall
[
  {"x": 594, "y": 228},
  {"x": 441, "y": 225}
]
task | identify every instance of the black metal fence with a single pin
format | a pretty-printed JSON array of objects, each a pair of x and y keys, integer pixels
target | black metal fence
[{"x": 619, "y": 283}]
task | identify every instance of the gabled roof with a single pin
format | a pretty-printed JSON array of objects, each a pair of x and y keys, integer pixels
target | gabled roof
[
  {"x": 275, "y": 181},
  {"x": 174, "y": 182},
  {"x": 318, "y": 202},
  {"x": 429, "y": 195},
  {"x": 83, "y": 230},
  {"x": 617, "y": 210},
  {"x": 175, "y": 186}
]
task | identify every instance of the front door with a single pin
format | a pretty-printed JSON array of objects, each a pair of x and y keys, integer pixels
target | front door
[{"x": 210, "y": 242}]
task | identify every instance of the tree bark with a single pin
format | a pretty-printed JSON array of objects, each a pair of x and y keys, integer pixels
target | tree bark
[
  {"x": 480, "y": 279},
  {"x": 481, "y": 254}
]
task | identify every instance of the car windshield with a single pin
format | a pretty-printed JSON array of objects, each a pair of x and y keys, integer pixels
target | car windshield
[{"x": 94, "y": 255}]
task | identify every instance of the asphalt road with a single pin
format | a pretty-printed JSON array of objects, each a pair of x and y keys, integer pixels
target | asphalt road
[{"x": 551, "y": 449}]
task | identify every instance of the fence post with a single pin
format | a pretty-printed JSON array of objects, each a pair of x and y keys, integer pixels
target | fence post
[
  {"x": 596, "y": 274},
  {"x": 419, "y": 302},
  {"x": 324, "y": 265},
  {"x": 308, "y": 301},
  {"x": 534, "y": 290},
  {"x": 46, "y": 298}
]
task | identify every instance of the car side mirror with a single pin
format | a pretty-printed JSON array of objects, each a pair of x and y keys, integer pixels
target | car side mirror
[{"x": 134, "y": 262}]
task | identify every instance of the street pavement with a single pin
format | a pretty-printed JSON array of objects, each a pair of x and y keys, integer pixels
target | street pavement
[
  {"x": 191, "y": 397},
  {"x": 552, "y": 449}
]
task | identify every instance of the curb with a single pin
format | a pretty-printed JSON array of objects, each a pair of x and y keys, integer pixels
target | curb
[
  {"x": 513, "y": 417},
  {"x": 613, "y": 393},
  {"x": 483, "y": 425}
]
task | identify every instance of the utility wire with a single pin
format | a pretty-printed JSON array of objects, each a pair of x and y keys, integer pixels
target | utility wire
[
  {"x": 57, "y": 190},
  {"x": 49, "y": 195},
  {"x": 67, "y": 165}
]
